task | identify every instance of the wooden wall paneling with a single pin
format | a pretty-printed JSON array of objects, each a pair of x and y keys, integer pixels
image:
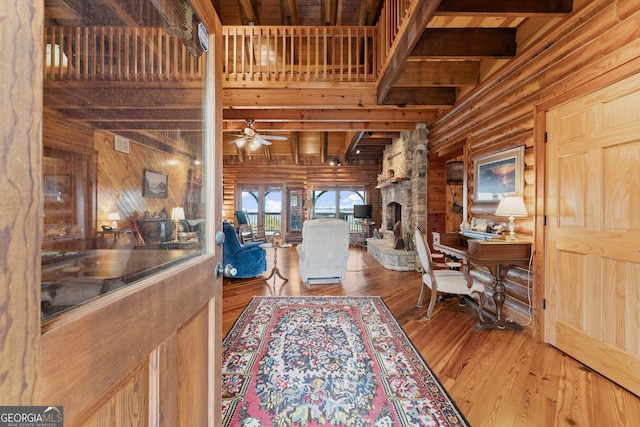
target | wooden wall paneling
[
  {"x": 120, "y": 178},
  {"x": 436, "y": 195}
]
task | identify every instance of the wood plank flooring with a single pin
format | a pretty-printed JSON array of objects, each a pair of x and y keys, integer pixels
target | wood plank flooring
[{"x": 497, "y": 378}]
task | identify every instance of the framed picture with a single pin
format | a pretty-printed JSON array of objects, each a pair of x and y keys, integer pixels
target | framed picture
[
  {"x": 56, "y": 185},
  {"x": 499, "y": 175},
  {"x": 154, "y": 184}
]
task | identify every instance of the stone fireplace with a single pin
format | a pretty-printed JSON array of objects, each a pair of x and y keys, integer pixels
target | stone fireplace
[
  {"x": 393, "y": 214},
  {"x": 403, "y": 187}
]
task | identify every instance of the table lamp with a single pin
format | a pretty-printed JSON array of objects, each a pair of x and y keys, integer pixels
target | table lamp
[
  {"x": 114, "y": 217},
  {"x": 308, "y": 206},
  {"x": 512, "y": 207},
  {"x": 177, "y": 215}
]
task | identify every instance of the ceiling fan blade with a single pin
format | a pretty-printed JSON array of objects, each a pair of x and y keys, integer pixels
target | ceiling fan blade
[
  {"x": 261, "y": 140},
  {"x": 238, "y": 141},
  {"x": 274, "y": 137}
]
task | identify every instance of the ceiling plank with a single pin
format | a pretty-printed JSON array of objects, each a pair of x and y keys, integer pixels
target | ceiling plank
[
  {"x": 471, "y": 43},
  {"x": 413, "y": 25},
  {"x": 506, "y": 7}
]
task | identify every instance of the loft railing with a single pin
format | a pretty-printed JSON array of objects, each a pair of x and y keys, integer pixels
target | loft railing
[
  {"x": 117, "y": 53},
  {"x": 392, "y": 15},
  {"x": 251, "y": 53},
  {"x": 314, "y": 54},
  {"x": 264, "y": 53}
]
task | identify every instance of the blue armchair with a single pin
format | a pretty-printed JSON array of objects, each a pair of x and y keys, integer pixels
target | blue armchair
[{"x": 249, "y": 259}]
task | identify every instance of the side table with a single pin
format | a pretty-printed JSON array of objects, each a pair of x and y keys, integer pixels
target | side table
[{"x": 275, "y": 271}]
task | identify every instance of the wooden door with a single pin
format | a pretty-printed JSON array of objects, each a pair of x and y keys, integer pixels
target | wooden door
[{"x": 593, "y": 231}]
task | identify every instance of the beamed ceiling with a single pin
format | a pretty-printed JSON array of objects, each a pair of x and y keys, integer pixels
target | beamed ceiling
[{"x": 443, "y": 50}]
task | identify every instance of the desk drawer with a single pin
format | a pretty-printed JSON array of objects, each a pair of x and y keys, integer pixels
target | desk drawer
[{"x": 498, "y": 250}]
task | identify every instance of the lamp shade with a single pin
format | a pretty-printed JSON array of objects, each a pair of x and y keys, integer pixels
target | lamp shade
[
  {"x": 177, "y": 214},
  {"x": 113, "y": 216},
  {"x": 308, "y": 204},
  {"x": 512, "y": 206}
]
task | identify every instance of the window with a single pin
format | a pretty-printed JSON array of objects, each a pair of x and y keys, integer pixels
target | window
[
  {"x": 123, "y": 156},
  {"x": 262, "y": 205},
  {"x": 337, "y": 202}
]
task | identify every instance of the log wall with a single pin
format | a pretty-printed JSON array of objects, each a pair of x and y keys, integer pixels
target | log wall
[
  {"x": 598, "y": 38},
  {"x": 300, "y": 176}
]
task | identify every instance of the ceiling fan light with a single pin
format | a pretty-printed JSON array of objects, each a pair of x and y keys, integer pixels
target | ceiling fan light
[
  {"x": 240, "y": 142},
  {"x": 254, "y": 145}
]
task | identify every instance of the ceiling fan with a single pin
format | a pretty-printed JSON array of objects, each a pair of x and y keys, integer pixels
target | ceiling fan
[{"x": 253, "y": 139}]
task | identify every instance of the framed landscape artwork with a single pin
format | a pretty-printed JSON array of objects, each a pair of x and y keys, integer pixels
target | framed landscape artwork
[
  {"x": 154, "y": 184},
  {"x": 57, "y": 185},
  {"x": 499, "y": 175}
]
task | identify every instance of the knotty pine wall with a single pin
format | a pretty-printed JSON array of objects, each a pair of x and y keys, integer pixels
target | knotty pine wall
[
  {"x": 306, "y": 177},
  {"x": 599, "y": 37},
  {"x": 120, "y": 177}
]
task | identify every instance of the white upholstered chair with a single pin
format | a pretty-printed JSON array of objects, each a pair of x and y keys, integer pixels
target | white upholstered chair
[
  {"x": 444, "y": 281},
  {"x": 324, "y": 250}
]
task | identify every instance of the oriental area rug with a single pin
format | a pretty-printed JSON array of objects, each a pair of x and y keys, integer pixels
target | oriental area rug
[{"x": 327, "y": 361}]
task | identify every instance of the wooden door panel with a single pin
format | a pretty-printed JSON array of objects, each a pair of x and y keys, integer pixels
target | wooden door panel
[
  {"x": 593, "y": 233},
  {"x": 132, "y": 393},
  {"x": 89, "y": 354}
]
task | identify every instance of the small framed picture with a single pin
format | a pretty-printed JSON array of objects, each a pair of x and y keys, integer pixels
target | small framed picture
[
  {"x": 154, "y": 184},
  {"x": 56, "y": 185}
]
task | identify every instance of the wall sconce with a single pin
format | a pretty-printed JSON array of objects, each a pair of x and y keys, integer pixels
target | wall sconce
[
  {"x": 512, "y": 207},
  {"x": 114, "y": 217},
  {"x": 177, "y": 215},
  {"x": 335, "y": 162}
]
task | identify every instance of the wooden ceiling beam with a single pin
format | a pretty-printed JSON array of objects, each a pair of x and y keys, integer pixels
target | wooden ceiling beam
[
  {"x": 324, "y": 126},
  {"x": 466, "y": 43},
  {"x": 358, "y": 97},
  {"x": 248, "y": 13},
  {"x": 506, "y": 7},
  {"x": 409, "y": 114},
  {"x": 108, "y": 114},
  {"x": 439, "y": 73},
  {"x": 328, "y": 12},
  {"x": 418, "y": 16},
  {"x": 289, "y": 12},
  {"x": 146, "y": 125},
  {"x": 442, "y": 96}
]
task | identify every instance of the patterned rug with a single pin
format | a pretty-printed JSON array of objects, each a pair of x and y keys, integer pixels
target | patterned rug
[{"x": 327, "y": 361}]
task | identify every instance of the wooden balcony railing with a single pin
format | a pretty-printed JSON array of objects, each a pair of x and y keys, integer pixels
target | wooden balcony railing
[
  {"x": 251, "y": 53},
  {"x": 263, "y": 53},
  {"x": 117, "y": 53}
]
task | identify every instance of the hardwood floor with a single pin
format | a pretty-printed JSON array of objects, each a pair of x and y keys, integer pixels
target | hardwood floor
[{"x": 497, "y": 378}]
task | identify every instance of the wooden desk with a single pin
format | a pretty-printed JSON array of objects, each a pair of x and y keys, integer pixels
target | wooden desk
[{"x": 497, "y": 255}]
